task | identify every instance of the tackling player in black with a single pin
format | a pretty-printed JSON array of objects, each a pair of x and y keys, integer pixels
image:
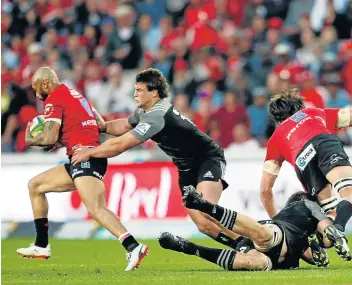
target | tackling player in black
[
  {"x": 284, "y": 239},
  {"x": 200, "y": 161}
]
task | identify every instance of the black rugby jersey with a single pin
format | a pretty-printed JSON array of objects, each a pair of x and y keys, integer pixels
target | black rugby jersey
[
  {"x": 174, "y": 133},
  {"x": 298, "y": 220}
]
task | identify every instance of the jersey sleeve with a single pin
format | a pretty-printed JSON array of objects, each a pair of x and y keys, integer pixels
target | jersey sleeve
[
  {"x": 133, "y": 119},
  {"x": 331, "y": 117},
  {"x": 273, "y": 152},
  {"x": 148, "y": 127},
  {"x": 53, "y": 111},
  {"x": 315, "y": 210}
]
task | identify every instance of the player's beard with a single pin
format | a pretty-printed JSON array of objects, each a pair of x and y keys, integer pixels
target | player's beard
[{"x": 43, "y": 95}]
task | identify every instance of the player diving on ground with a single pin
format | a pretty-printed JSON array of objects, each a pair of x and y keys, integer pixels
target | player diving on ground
[{"x": 278, "y": 243}]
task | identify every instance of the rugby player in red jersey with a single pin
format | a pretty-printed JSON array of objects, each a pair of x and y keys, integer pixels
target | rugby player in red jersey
[
  {"x": 304, "y": 138},
  {"x": 70, "y": 121}
]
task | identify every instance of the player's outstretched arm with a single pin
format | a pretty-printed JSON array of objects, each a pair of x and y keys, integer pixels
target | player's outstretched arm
[
  {"x": 110, "y": 148},
  {"x": 118, "y": 127},
  {"x": 115, "y": 127},
  {"x": 270, "y": 172},
  {"x": 48, "y": 136}
]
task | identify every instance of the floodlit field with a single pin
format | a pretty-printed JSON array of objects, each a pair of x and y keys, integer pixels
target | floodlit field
[{"x": 92, "y": 262}]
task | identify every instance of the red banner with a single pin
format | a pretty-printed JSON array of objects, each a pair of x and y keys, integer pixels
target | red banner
[{"x": 142, "y": 190}]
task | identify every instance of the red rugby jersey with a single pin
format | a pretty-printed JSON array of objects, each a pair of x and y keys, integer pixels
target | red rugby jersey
[
  {"x": 292, "y": 134},
  {"x": 73, "y": 112}
]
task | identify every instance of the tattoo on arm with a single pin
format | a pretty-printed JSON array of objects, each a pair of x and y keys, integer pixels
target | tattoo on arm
[{"x": 49, "y": 135}]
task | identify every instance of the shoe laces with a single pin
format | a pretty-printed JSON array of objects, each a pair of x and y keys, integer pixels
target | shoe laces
[{"x": 128, "y": 256}]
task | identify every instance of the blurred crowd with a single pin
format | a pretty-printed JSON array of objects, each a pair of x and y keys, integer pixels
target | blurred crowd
[{"x": 223, "y": 58}]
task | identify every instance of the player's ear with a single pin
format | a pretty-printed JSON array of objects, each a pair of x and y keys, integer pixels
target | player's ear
[{"x": 155, "y": 93}]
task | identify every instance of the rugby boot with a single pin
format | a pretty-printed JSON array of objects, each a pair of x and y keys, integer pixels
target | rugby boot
[
  {"x": 339, "y": 241},
  {"x": 320, "y": 256},
  {"x": 34, "y": 251},
  {"x": 192, "y": 199},
  {"x": 136, "y": 256},
  {"x": 175, "y": 243}
]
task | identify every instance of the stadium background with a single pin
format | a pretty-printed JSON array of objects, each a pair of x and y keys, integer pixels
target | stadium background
[{"x": 223, "y": 60}]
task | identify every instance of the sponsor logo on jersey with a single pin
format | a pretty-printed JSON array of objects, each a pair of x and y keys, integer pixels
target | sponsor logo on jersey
[
  {"x": 305, "y": 157},
  {"x": 321, "y": 119},
  {"x": 49, "y": 110},
  {"x": 142, "y": 128},
  {"x": 298, "y": 116},
  {"x": 335, "y": 158},
  {"x": 89, "y": 123},
  {"x": 297, "y": 126},
  {"x": 75, "y": 94}
]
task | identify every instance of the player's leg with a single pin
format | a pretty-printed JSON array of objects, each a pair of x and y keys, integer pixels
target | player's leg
[
  {"x": 190, "y": 178},
  {"x": 341, "y": 179},
  {"x": 92, "y": 193},
  {"x": 264, "y": 236},
  {"x": 211, "y": 192},
  {"x": 55, "y": 179},
  {"x": 211, "y": 183},
  {"x": 227, "y": 259},
  {"x": 334, "y": 164},
  {"x": 330, "y": 165},
  {"x": 328, "y": 201}
]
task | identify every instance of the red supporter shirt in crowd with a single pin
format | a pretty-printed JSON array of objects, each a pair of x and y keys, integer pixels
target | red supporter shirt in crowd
[
  {"x": 227, "y": 120},
  {"x": 347, "y": 75},
  {"x": 73, "y": 112},
  {"x": 295, "y": 132},
  {"x": 194, "y": 14}
]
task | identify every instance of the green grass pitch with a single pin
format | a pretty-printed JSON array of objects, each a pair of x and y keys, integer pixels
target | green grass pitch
[{"x": 93, "y": 262}]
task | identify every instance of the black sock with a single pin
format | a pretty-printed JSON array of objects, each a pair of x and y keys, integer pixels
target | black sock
[
  {"x": 222, "y": 257},
  {"x": 226, "y": 240},
  {"x": 41, "y": 226},
  {"x": 225, "y": 216},
  {"x": 344, "y": 213},
  {"x": 128, "y": 241}
]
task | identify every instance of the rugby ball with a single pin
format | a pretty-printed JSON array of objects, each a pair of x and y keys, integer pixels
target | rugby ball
[{"x": 37, "y": 126}]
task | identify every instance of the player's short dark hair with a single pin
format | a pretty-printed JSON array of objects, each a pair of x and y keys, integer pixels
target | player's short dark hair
[
  {"x": 154, "y": 80},
  {"x": 299, "y": 196},
  {"x": 284, "y": 104}
]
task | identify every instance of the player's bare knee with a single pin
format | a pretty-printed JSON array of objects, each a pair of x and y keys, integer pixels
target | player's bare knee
[
  {"x": 261, "y": 235},
  {"x": 258, "y": 262},
  {"x": 204, "y": 226},
  {"x": 268, "y": 237},
  {"x": 248, "y": 261},
  {"x": 34, "y": 186},
  {"x": 96, "y": 211}
]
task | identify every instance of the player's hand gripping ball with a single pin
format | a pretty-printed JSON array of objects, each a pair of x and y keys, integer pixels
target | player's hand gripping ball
[{"x": 37, "y": 126}]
